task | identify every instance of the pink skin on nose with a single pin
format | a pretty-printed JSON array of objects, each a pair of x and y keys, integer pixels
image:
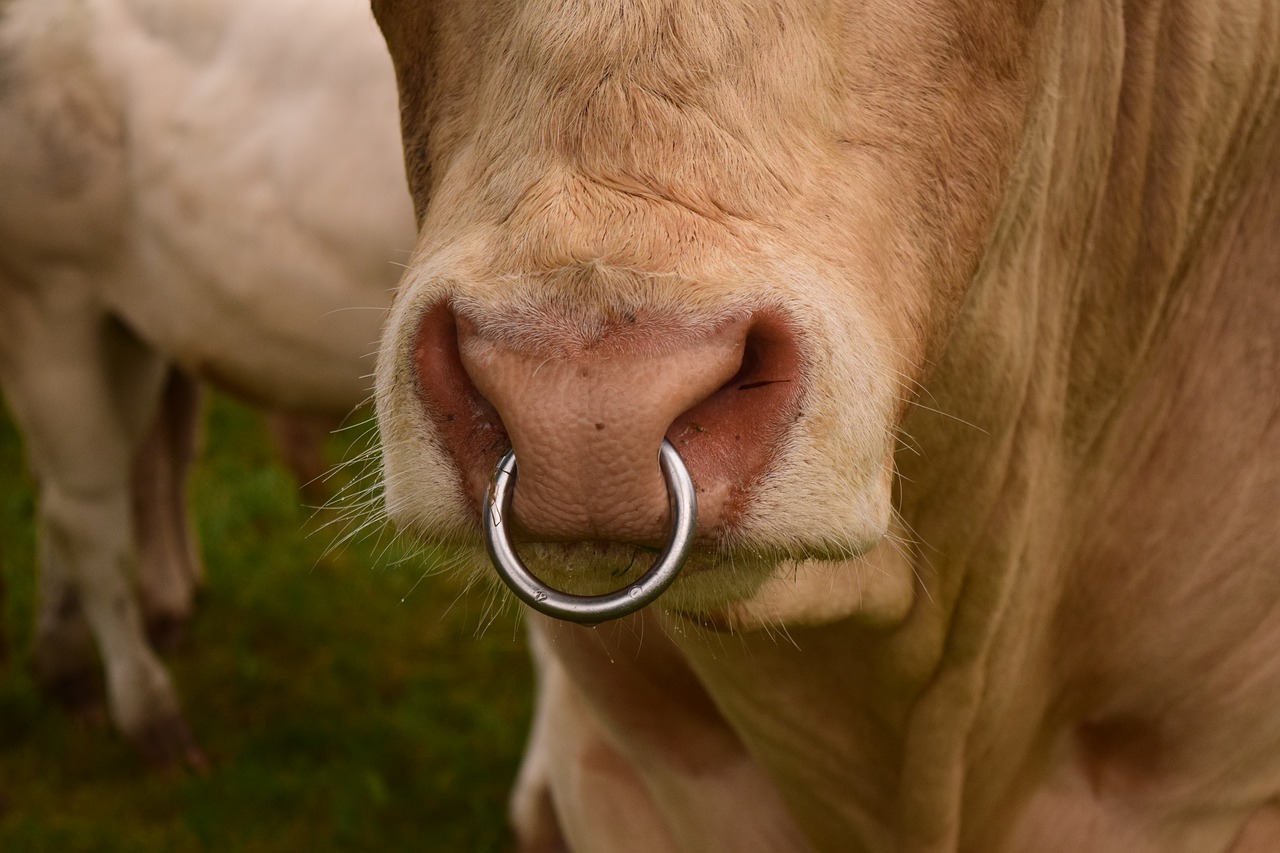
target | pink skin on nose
[{"x": 586, "y": 422}]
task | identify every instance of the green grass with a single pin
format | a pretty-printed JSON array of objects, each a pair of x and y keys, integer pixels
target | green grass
[{"x": 345, "y": 701}]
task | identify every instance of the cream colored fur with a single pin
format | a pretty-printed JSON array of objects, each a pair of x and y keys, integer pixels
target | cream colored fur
[
  {"x": 1034, "y": 254},
  {"x": 540, "y": 199}
]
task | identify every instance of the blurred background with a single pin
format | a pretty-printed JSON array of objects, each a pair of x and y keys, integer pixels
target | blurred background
[{"x": 352, "y": 700}]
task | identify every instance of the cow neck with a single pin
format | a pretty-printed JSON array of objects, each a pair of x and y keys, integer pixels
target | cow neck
[{"x": 1127, "y": 166}]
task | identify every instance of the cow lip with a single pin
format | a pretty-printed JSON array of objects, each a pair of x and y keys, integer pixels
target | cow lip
[
  {"x": 608, "y": 557},
  {"x": 713, "y": 621},
  {"x": 702, "y": 556}
]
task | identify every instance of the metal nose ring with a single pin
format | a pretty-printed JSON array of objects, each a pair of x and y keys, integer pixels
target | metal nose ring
[{"x": 591, "y": 609}]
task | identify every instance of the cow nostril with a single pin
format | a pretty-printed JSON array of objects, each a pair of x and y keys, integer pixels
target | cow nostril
[
  {"x": 467, "y": 423},
  {"x": 730, "y": 438},
  {"x": 767, "y": 358}
]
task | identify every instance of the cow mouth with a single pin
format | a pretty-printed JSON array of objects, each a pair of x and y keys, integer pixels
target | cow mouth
[{"x": 597, "y": 567}]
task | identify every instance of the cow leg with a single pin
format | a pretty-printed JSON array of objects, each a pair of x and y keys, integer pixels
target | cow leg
[
  {"x": 300, "y": 439},
  {"x": 83, "y": 390},
  {"x": 532, "y": 808},
  {"x": 65, "y": 659},
  {"x": 629, "y": 752},
  {"x": 169, "y": 566},
  {"x": 570, "y": 756}
]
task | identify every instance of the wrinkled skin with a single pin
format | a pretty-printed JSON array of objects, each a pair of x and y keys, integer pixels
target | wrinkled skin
[
  {"x": 964, "y": 317},
  {"x": 193, "y": 191}
]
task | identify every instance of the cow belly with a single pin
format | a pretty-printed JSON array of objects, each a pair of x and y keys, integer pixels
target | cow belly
[
  {"x": 283, "y": 349},
  {"x": 267, "y": 198}
]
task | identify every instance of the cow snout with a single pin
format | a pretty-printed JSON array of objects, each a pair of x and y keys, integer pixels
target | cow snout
[{"x": 587, "y": 412}]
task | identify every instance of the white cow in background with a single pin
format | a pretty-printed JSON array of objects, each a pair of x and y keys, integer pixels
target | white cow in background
[{"x": 213, "y": 186}]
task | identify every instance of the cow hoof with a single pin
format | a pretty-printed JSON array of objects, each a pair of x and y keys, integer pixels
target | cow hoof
[
  {"x": 300, "y": 440},
  {"x": 168, "y": 744}
]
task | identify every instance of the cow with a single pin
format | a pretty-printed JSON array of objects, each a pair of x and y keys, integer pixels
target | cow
[
  {"x": 964, "y": 318},
  {"x": 210, "y": 189}
]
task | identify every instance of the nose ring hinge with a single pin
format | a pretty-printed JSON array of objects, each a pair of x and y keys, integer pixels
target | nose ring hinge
[{"x": 591, "y": 609}]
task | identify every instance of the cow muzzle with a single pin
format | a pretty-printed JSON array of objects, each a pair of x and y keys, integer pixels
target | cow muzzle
[{"x": 641, "y": 431}]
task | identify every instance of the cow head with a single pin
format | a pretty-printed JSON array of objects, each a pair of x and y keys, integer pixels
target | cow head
[{"x": 745, "y": 226}]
